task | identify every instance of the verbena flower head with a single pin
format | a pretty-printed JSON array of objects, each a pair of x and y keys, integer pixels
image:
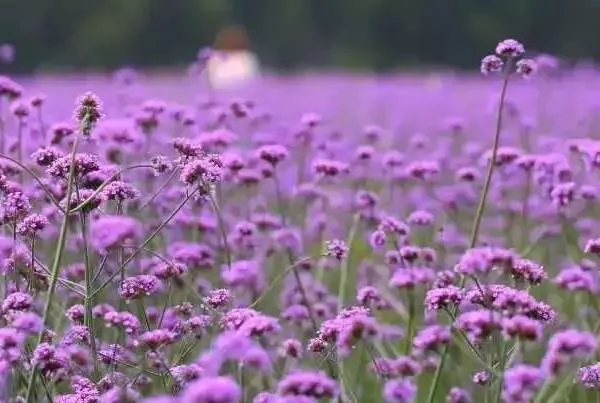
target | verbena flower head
[
  {"x": 88, "y": 112},
  {"x": 139, "y": 286},
  {"x": 399, "y": 391},
  {"x": 510, "y": 48},
  {"x": 310, "y": 384},
  {"x": 336, "y": 249},
  {"x": 521, "y": 383},
  {"x": 220, "y": 389}
]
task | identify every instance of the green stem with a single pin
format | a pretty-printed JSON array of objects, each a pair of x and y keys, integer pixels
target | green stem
[
  {"x": 477, "y": 222},
  {"x": 346, "y": 263},
  {"x": 89, "y": 317},
  {"x": 146, "y": 242},
  {"x": 62, "y": 237},
  {"x": 222, "y": 229}
]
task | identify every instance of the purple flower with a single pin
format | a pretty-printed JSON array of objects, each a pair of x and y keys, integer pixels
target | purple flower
[
  {"x": 31, "y": 225},
  {"x": 370, "y": 297},
  {"x": 458, "y": 395},
  {"x": 212, "y": 389},
  {"x": 442, "y": 298},
  {"x": 310, "y": 384},
  {"x": 155, "y": 339},
  {"x": 348, "y": 328},
  {"x": 119, "y": 191},
  {"x": 17, "y": 301},
  {"x": 565, "y": 346},
  {"x": 45, "y": 156},
  {"x": 481, "y": 377},
  {"x": 576, "y": 279},
  {"x": 109, "y": 232},
  {"x": 27, "y": 322},
  {"x": 50, "y": 360},
  {"x": 11, "y": 345},
  {"x": 526, "y": 67},
  {"x": 272, "y": 154},
  {"x": 431, "y": 338},
  {"x": 88, "y": 111},
  {"x": 479, "y": 324},
  {"x": 14, "y": 207},
  {"x": 590, "y": 376},
  {"x": 336, "y": 249},
  {"x": 510, "y": 48},
  {"x": 521, "y": 327},
  {"x": 218, "y": 298},
  {"x": 411, "y": 277},
  {"x": 491, "y": 64},
  {"x": 204, "y": 171},
  {"x": 521, "y": 383},
  {"x": 399, "y": 391},
  {"x": 244, "y": 274},
  {"x": 526, "y": 270},
  {"x": 139, "y": 286},
  {"x": 291, "y": 348}
]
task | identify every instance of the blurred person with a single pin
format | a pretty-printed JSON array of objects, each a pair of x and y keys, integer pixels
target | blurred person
[
  {"x": 234, "y": 63},
  {"x": 7, "y": 53}
]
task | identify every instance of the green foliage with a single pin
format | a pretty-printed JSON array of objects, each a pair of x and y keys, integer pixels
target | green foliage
[{"x": 377, "y": 34}]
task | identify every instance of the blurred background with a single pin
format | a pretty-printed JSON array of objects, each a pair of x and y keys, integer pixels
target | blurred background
[{"x": 380, "y": 35}]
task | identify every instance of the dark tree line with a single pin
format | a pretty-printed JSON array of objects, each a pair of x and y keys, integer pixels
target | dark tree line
[{"x": 378, "y": 34}]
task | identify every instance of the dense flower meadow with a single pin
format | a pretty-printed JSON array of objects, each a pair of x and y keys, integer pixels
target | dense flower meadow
[{"x": 341, "y": 240}]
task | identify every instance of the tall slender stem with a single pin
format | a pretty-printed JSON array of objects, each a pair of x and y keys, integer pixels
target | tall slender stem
[
  {"x": 477, "y": 222},
  {"x": 55, "y": 269}
]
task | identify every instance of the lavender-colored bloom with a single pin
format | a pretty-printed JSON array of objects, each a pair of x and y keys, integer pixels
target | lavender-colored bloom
[
  {"x": 589, "y": 376},
  {"x": 412, "y": 277},
  {"x": 160, "y": 164},
  {"x": 109, "y": 232},
  {"x": 212, "y": 389},
  {"x": 84, "y": 164},
  {"x": 491, "y": 64},
  {"x": 526, "y": 270},
  {"x": 526, "y": 67},
  {"x": 12, "y": 343},
  {"x": 565, "y": 346},
  {"x": 510, "y": 48},
  {"x": 576, "y": 279},
  {"x": 45, "y": 156},
  {"x": 431, "y": 338},
  {"x": 310, "y": 384},
  {"x": 521, "y": 383},
  {"x": 399, "y": 391},
  {"x": 443, "y": 298},
  {"x": 17, "y": 301},
  {"x": 218, "y": 298},
  {"x": 14, "y": 207},
  {"x": 479, "y": 324},
  {"x": 244, "y": 274},
  {"x": 155, "y": 339},
  {"x": 481, "y": 378},
  {"x": 119, "y": 191},
  {"x": 272, "y": 154},
  {"x": 184, "y": 374},
  {"x": 139, "y": 286},
  {"x": 522, "y": 327},
  {"x": 50, "y": 360},
  {"x": 337, "y": 249},
  {"x": 370, "y": 296},
  {"x": 349, "y": 327},
  {"x": 27, "y": 323},
  {"x": 88, "y": 111},
  {"x": 420, "y": 218},
  {"x": 205, "y": 170},
  {"x": 31, "y": 225},
  {"x": 458, "y": 395},
  {"x": 291, "y": 348}
]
